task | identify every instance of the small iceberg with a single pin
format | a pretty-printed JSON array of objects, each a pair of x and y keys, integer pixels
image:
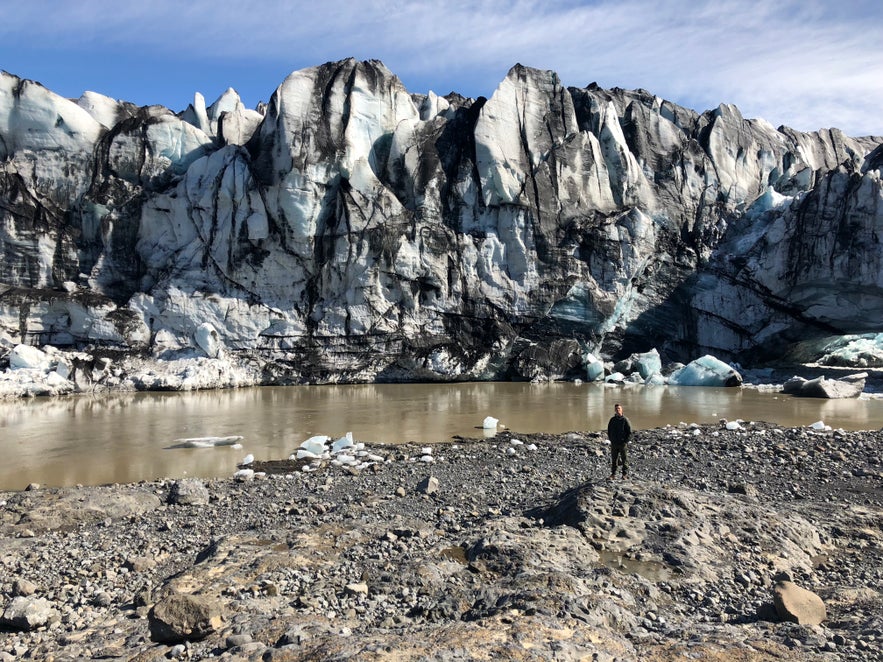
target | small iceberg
[
  {"x": 849, "y": 386},
  {"x": 490, "y": 423},
  {"x": 206, "y": 442},
  {"x": 705, "y": 371}
]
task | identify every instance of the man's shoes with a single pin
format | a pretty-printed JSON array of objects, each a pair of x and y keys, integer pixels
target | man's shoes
[
  {"x": 611, "y": 477},
  {"x": 624, "y": 476}
]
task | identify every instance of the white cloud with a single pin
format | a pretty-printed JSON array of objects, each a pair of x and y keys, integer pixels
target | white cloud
[{"x": 807, "y": 64}]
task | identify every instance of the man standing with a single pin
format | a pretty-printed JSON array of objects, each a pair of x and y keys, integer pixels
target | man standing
[{"x": 619, "y": 430}]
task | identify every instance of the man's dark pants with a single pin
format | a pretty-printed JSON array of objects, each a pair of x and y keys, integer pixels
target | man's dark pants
[{"x": 619, "y": 451}]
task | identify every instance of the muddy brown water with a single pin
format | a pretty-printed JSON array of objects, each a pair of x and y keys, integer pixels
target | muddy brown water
[{"x": 130, "y": 437}]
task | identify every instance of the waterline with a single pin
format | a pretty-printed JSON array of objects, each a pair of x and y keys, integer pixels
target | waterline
[{"x": 126, "y": 437}]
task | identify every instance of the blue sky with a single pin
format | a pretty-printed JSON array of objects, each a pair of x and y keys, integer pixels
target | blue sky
[{"x": 807, "y": 64}]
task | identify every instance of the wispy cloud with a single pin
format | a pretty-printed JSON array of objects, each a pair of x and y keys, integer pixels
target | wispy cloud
[{"x": 808, "y": 64}]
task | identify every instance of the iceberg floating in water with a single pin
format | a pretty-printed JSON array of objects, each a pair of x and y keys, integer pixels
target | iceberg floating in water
[
  {"x": 594, "y": 368},
  {"x": 850, "y": 386},
  {"x": 705, "y": 371},
  {"x": 206, "y": 442},
  {"x": 490, "y": 423}
]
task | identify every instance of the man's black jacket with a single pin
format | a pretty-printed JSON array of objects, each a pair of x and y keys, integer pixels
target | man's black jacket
[{"x": 619, "y": 430}]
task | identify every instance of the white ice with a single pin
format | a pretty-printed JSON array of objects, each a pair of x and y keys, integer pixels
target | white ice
[
  {"x": 704, "y": 371},
  {"x": 345, "y": 441},
  {"x": 207, "y": 442},
  {"x": 316, "y": 444}
]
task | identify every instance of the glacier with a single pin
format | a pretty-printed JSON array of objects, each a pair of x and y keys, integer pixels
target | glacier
[{"x": 350, "y": 230}]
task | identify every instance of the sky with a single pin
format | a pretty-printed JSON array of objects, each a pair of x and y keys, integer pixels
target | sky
[{"x": 807, "y": 64}]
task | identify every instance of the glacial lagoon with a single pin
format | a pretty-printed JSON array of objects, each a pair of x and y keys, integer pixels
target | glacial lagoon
[{"x": 116, "y": 438}]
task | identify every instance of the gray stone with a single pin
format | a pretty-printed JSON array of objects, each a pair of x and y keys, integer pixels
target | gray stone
[
  {"x": 235, "y": 640},
  {"x": 428, "y": 485},
  {"x": 140, "y": 563},
  {"x": 23, "y": 587},
  {"x": 359, "y": 588},
  {"x": 188, "y": 492}
]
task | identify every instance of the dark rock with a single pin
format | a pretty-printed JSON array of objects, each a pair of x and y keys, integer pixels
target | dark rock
[
  {"x": 181, "y": 617},
  {"x": 428, "y": 485}
]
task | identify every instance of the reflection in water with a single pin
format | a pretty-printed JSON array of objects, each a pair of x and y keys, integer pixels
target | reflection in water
[{"x": 125, "y": 437}]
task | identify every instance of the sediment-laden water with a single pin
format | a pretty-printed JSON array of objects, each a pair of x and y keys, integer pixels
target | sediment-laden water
[{"x": 130, "y": 437}]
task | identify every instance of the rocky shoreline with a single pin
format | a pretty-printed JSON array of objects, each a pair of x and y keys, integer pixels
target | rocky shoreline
[{"x": 512, "y": 548}]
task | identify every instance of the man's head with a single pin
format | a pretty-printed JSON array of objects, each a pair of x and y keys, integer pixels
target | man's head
[{"x": 617, "y": 409}]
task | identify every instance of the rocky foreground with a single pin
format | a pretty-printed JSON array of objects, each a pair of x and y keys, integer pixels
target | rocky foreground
[{"x": 515, "y": 548}]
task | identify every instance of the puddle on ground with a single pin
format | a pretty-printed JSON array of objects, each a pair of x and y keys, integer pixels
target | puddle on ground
[
  {"x": 275, "y": 545},
  {"x": 457, "y": 554},
  {"x": 653, "y": 571}
]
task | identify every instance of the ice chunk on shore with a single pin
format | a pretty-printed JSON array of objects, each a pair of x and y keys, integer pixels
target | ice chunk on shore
[
  {"x": 490, "y": 423},
  {"x": 820, "y": 425},
  {"x": 248, "y": 459},
  {"x": 346, "y": 441},
  {"x": 316, "y": 445}
]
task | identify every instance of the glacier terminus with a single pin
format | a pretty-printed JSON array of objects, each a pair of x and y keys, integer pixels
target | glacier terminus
[{"x": 350, "y": 230}]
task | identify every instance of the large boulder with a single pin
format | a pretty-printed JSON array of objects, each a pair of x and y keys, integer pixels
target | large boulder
[
  {"x": 188, "y": 492},
  {"x": 798, "y": 605},
  {"x": 181, "y": 617}
]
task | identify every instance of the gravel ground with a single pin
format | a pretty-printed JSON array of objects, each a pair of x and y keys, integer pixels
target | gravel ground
[{"x": 522, "y": 550}]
